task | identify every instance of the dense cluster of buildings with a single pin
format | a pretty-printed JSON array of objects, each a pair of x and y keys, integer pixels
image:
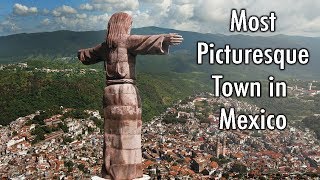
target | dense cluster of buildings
[
  {"x": 297, "y": 91},
  {"x": 25, "y": 66},
  {"x": 189, "y": 149},
  {"x": 197, "y": 150},
  {"x": 69, "y": 155}
]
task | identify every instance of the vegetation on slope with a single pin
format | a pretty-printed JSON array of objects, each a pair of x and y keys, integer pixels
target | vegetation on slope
[
  {"x": 25, "y": 91},
  {"x": 161, "y": 81}
]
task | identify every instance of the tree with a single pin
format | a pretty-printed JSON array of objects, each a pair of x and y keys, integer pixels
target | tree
[
  {"x": 81, "y": 167},
  {"x": 63, "y": 127},
  {"x": 239, "y": 168},
  {"x": 67, "y": 139},
  {"x": 38, "y": 119},
  {"x": 76, "y": 113},
  {"x": 90, "y": 130},
  {"x": 38, "y": 131},
  {"x": 14, "y": 133},
  {"x": 97, "y": 122},
  {"x": 38, "y": 138},
  {"x": 69, "y": 165}
]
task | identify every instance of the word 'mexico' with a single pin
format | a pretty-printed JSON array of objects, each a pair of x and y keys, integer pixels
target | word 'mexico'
[{"x": 251, "y": 122}]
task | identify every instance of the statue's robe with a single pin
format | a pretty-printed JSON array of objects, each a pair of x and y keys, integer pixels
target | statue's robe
[{"x": 122, "y": 157}]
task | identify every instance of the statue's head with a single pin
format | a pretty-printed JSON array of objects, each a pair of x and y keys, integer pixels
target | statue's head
[{"x": 118, "y": 26}]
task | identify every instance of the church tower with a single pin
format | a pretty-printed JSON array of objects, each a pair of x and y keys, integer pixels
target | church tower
[
  {"x": 224, "y": 148},
  {"x": 218, "y": 147}
]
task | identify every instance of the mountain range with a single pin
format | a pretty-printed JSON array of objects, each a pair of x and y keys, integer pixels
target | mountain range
[{"x": 14, "y": 48}]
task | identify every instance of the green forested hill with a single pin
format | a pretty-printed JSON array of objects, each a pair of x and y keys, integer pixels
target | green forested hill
[
  {"x": 25, "y": 91},
  {"x": 161, "y": 81}
]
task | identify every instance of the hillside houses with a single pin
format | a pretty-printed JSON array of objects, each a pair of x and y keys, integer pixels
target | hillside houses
[{"x": 191, "y": 148}]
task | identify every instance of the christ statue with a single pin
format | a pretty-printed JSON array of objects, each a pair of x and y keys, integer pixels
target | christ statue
[{"x": 122, "y": 157}]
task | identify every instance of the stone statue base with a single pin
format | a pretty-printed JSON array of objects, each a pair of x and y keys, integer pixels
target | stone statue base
[{"x": 145, "y": 177}]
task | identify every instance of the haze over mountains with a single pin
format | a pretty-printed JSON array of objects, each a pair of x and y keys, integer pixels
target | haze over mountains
[{"x": 14, "y": 48}]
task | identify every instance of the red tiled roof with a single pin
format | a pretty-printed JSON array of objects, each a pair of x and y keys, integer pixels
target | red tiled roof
[{"x": 214, "y": 165}]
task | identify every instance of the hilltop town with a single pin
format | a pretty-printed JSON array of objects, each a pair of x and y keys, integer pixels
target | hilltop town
[
  {"x": 197, "y": 148},
  {"x": 300, "y": 92},
  {"x": 184, "y": 142},
  {"x": 55, "y": 148}
]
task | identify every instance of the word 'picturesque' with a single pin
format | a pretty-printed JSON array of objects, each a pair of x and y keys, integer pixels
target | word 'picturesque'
[{"x": 237, "y": 56}]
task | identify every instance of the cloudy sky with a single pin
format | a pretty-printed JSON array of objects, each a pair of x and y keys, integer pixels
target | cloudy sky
[{"x": 209, "y": 16}]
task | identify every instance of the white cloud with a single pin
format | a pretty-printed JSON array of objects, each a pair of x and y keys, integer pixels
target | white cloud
[
  {"x": 86, "y": 6},
  {"x": 81, "y": 16},
  {"x": 103, "y": 7},
  {"x": 159, "y": 8},
  {"x": 45, "y": 11},
  {"x": 45, "y": 21},
  {"x": 151, "y": 1},
  {"x": 115, "y": 5},
  {"x": 100, "y": 21},
  {"x": 82, "y": 22},
  {"x": 64, "y": 10},
  {"x": 20, "y": 9},
  {"x": 182, "y": 12},
  {"x": 209, "y": 16},
  {"x": 141, "y": 19},
  {"x": 302, "y": 18},
  {"x": 181, "y": 2},
  {"x": 8, "y": 27}
]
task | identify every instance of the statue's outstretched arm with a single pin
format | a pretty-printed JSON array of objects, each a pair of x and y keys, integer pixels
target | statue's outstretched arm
[
  {"x": 152, "y": 44},
  {"x": 92, "y": 55},
  {"x": 173, "y": 39}
]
